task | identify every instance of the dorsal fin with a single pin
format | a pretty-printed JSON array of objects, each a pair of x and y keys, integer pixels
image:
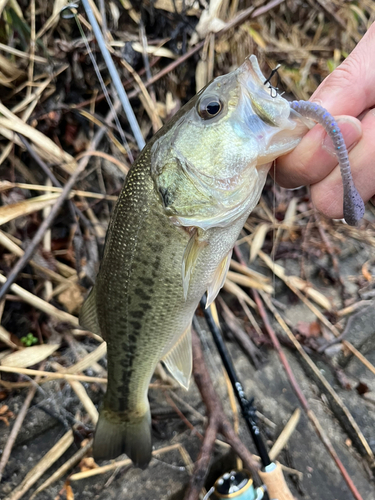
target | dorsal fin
[{"x": 88, "y": 317}]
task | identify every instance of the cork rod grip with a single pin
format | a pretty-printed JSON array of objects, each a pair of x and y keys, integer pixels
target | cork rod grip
[{"x": 276, "y": 485}]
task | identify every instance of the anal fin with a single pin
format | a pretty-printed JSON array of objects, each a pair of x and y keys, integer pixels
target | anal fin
[
  {"x": 88, "y": 317},
  {"x": 219, "y": 278},
  {"x": 179, "y": 359}
]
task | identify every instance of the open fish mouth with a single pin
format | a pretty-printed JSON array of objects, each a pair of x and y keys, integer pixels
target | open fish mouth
[{"x": 267, "y": 104}]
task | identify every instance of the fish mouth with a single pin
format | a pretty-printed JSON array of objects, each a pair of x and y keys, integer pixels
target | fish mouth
[
  {"x": 253, "y": 81},
  {"x": 265, "y": 102}
]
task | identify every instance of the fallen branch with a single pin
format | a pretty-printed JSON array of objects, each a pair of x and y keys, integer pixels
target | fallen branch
[{"x": 16, "y": 428}]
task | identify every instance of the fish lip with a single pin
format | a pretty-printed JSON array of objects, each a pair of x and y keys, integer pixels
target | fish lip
[
  {"x": 273, "y": 109},
  {"x": 251, "y": 65},
  {"x": 252, "y": 79}
]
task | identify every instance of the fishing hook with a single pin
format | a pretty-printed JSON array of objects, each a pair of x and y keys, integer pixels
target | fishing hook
[{"x": 273, "y": 90}]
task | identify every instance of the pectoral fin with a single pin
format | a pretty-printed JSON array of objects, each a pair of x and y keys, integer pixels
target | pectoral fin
[
  {"x": 219, "y": 278},
  {"x": 189, "y": 260},
  {"x": 179, "y": 359},
  {"x": 88, "y": 316}
]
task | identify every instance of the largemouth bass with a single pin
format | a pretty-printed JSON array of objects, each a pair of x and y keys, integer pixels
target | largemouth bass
[{"x": 170, "y": 239}]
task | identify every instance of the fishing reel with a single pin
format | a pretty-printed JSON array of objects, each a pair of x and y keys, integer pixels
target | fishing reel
[{"x": 236, "y": 484}]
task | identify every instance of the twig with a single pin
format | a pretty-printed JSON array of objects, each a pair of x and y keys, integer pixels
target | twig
[
  {"x": 341, "y": 411},
  {"x": 54, "y": 211},
  {"x": 242, "y": 337},
  {"x": 182, "y": 416},
  {"x": 73, "y": 209},
  {"x": 52, "y": 375},
  {"x": 347, "y": 329},
  {"x": 16, "y": 427},
  {"x": 285, "y": 434},
  {"x": 44, "y": 464},
  {"x": 116, "y": 465},
  {"x": 320, "y": 431},
  {"x": 217, "y": 422},
  {"x": 41, "y": 304},
  {"x": 65, "y": 376},
  {"x": 71, "y": 462}
]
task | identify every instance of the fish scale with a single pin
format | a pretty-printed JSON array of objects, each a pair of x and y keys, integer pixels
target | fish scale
[{"x": 141, "y": 265}]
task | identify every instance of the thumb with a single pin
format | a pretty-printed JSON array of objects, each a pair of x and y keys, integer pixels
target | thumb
[{"x": 350, "y": 88}]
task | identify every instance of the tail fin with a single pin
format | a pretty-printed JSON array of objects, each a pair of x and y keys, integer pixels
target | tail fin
[{"x": 114, "y": 436}]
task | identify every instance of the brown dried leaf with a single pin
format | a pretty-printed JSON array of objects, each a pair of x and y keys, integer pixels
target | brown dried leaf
[
  {"x": 71, "y": 298},
  {"x": 258, "y": 240},
  {"x": 244, "y": 280},
  {"x": 3, "y": 409},
  {"x": 41, "y": 304},
  {"x": 87, "y": 463},
  {"x": 309, "y": 329},
  {"x": 5, "y": 414},
  {"x": 362, "y": 388},
  {"x": 6, "y": 337},
  {"x": 366, "y": 273},
  {"x": 190, "y": 7},
  {"x": 69, "y": 492},
  {"x": 9, "y": 71},
  {"x": 25, "y": 207},
  {"x": 29, "y": 356},
  {"x": 45, "y": 146}
]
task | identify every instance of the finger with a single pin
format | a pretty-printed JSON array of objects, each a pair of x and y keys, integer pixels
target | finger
[
  {"x": 327, "y": 195},
  {"x": 350, "y": 88},
  {"x": 314, "y": 157}
]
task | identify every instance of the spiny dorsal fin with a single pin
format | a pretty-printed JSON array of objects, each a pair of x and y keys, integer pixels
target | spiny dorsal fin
[
  {"x": 219, "y": 278},
  {"x": 190, "y": 258},
  {"x": 88, "y": 317},
  {"x": 179, "y": 359}
]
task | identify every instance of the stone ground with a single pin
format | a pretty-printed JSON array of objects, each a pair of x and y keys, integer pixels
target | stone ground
[{"x": 167, "y": 477}]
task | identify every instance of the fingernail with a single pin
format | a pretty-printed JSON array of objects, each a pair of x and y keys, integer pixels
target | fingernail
[{"x": 351, "y": 131}]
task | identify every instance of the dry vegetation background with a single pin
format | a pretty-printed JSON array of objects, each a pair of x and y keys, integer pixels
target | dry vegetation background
[{"x": 56, "y": 131}]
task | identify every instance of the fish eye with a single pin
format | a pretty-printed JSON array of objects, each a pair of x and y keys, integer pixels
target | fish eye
[{"x": 209, "y": 107}]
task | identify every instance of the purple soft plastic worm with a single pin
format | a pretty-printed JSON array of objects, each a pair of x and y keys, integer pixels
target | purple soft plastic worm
[{"x": 354, "y": 207}]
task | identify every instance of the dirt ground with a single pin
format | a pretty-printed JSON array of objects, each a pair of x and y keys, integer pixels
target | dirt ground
[{"x": 167, "y": 476}]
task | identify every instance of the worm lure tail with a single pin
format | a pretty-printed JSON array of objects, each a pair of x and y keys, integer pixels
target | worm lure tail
[{"x": 354, "y": 207}]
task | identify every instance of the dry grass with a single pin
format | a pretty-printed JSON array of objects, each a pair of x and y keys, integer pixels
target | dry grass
[{"x": 50, "y": 95}]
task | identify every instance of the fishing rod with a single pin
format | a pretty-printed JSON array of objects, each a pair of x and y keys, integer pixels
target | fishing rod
[
  {"x": 247, "y": 407},
  {"x": 239, "y": 484}
]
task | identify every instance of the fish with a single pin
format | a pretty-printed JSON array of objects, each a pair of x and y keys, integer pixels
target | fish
[{"x": 170, "y": 240}]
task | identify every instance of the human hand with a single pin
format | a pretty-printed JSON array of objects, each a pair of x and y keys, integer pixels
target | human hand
[{"x": 348, "y": 93}]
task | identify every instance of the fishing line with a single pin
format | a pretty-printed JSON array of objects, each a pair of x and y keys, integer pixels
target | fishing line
[
  {"x": 72, "y": 9},
  {"x": 273, "y": 252},
  {"x": 274, "y": 91}
]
